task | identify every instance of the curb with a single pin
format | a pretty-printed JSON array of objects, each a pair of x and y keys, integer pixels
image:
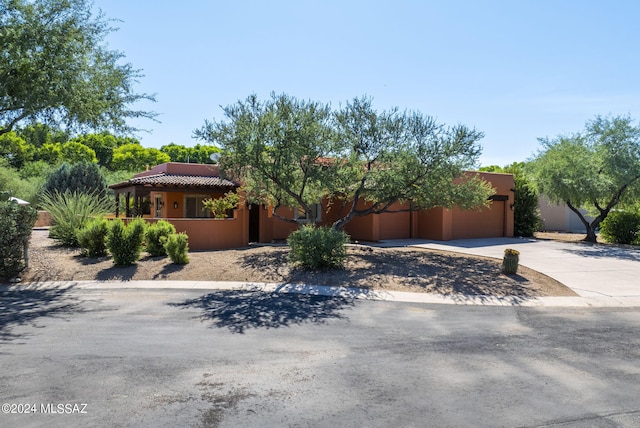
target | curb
[{"x": 351, "y": 293}]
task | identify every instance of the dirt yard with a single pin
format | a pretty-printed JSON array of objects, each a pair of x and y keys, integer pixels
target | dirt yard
[{"x": 403, "y": 269}]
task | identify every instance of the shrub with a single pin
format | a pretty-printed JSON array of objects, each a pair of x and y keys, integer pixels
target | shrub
[
  {"x": 220, "y": 207},
  {"x": 156, "y": 235},
  {"x": 621, "y": 227},
  {"x": 71, "y": 211},
  {"x": 177, "y": 247},
  {"x": 16, "y": 223},
  {"x": 91, "y": 238},
  {"x": 83, "y": 177},
  {"x": 125, "y": 241},
  {"x": 526, "y": 215},
  {"x": 318, "y": 248}
]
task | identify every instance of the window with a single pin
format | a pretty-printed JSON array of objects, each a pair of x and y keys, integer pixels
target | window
[
  {"x": 301, "y": 215},
  {"x": 194, "y": 207}
]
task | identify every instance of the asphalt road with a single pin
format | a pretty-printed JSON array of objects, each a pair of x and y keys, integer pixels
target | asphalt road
[{"x": 226, "y": 358}]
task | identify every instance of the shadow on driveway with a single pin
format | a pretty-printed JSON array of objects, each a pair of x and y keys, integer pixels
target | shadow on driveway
[
  {"x": 601, "y": 251},
  {"x": 239, "y": 310},
  {"x": 21, "y": 305}
]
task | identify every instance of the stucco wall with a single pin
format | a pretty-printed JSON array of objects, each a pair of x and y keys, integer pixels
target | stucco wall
[
  {"x": 44, "y": 219},
  {"x": 494, "y": 221},
  {"x": 435, "y": 224},
  {"x": 213, "y": 234},
  {"x": 395, "y": 225},
  {"x": 560, "y": 218}
]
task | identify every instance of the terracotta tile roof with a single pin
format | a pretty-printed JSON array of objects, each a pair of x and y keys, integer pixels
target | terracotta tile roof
[{"x": 170, "y": 180}]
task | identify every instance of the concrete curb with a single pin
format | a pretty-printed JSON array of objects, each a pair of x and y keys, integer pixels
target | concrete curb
[{"x": 352, "y": 293}]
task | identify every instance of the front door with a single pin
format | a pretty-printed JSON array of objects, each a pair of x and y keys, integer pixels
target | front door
[
  {"x": 254, "y": 223},
  {"x": 157, "y": 207}
]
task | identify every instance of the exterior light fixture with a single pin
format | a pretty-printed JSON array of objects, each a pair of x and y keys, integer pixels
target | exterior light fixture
[{"x": 175, "y": 205}]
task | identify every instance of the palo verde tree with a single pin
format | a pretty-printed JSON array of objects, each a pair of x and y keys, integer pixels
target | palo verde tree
[
  {"x": 292, "y": 153},
  {"x": 392, "y": 157},
  {"x": 55, "y": 68},
  {"x": 596, "y": 169},
  {"x": 278, "y": 148}
]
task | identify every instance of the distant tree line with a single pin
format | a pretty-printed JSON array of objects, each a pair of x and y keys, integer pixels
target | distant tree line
[{"x": 30, "y": 155}]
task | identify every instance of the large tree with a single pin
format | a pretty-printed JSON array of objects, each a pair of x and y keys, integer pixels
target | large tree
[
  {"x": 104, "y": 144},
  {"x": 278, "y": 148},
  {"x": 292, "y": 153},
  {"x": 394, "y": 157},
  {"x": 15, "y": 149},
  {"x": 55, "y": 68},
  {"x": 595, "y": 169},
  {"x": 134, "y": 157},
  {"x": 197, "y": 154}
]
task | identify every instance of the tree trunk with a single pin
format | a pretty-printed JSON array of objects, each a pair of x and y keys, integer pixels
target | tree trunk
[
  {"x": 590, "y": 227},
  {"x": 591, "y": 234}
]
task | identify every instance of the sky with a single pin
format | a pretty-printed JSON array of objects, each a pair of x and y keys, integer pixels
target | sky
[{"x": 515, "y": 70}]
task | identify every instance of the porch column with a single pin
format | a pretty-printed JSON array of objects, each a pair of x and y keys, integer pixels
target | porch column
[{"x": 127, "y": 209}]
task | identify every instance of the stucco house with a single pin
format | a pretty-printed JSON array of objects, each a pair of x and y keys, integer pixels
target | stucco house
[
  {"x": 175, "y": 191},
  {"x": 560, "y": 218}
]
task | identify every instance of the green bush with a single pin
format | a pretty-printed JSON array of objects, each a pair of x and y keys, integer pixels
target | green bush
[
  {"x": 83, "y": 177},
  {"x": 318, "y": 248},
  {"x": 222, "y": 207},
  {"x": 156, "y": 235},
  {"x": 177, "y": 247},
  {"x": 91, "y": 238},
  {"x": 71, "y": 211},
  {"x": 621, "y": 227},
  {"x": 16, "y": 223},
  {"x": 125, "y": 241},
  {"x": 526, "y": 215}
]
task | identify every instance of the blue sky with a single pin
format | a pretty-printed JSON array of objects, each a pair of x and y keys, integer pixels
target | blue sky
[{"x": 516, "y": 70}]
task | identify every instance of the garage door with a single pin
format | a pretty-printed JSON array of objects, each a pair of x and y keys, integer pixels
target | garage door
[{"x": 484, "y": 223}]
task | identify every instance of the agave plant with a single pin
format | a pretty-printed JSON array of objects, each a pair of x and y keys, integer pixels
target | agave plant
[{"x": 71, "y": 211}]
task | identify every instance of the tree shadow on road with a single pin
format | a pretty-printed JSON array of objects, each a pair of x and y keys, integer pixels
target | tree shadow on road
[
  {"x": 20, "y": 305},
  {"x": 240, "y": 310}
]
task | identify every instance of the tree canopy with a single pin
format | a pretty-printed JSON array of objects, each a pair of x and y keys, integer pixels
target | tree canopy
[
  {"x": 15, "y": 149},
  {"x": 595, "y": 169},
  {"x": 55, "y": 68},
  {"x": 134, "y": 157},
  {"x": 197, "y": 154},
  {"x": 290, "y": 152}
]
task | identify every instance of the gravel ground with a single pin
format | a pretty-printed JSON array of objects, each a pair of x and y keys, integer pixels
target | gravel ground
[{"x": 402, "y": 269}]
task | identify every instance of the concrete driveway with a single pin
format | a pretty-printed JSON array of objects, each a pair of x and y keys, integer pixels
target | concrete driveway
[{"x": 603, "y": 275}]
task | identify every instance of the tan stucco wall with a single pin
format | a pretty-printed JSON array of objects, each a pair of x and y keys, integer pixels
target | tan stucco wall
[
  {"x": 44, "y": 219},
  {"x": 395, "y": 225},
  {"x": 494, "y": 221},
  {"x": 559, "y": 217},
  {"x": 213, "y": 234}
]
